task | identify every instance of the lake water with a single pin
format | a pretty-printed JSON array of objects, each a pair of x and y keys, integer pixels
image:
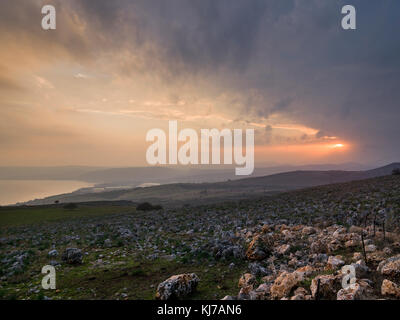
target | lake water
[{"x": 13, "y": 191}]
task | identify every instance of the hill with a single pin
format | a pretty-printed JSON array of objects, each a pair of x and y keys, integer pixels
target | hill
[{"x": 201, "y": 193}]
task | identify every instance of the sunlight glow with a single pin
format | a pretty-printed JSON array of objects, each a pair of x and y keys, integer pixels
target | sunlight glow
[{"x": 338, "y": 145}]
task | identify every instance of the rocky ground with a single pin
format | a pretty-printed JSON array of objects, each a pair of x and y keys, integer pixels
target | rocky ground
[{"x": 296, "y": 245}]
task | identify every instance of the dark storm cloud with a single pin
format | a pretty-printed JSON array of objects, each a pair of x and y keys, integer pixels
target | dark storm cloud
[{"x": 293, "y": 53}]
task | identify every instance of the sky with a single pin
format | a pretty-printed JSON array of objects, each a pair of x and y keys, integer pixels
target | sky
[{"x": 88, "y": 92}]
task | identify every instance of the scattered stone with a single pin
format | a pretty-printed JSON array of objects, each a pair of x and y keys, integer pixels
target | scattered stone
[
  {"x": 257, "y": 269},
  {"x": 246, "y": 280},
  {"x": 283, "y": 249},
  {"x": 53, "y": 253},
  {"x": 335, "y": 263},
  {"x": 370, "y": 248},
  {"x": 357, "y": 256},
  {"x": 308, "y": 231}
]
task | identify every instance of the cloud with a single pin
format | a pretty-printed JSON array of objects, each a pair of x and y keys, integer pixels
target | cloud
[
  {"x": 43, "y": 83},
  {"x": 7, "y": 84},
  {"x": 284, "y": 65}
]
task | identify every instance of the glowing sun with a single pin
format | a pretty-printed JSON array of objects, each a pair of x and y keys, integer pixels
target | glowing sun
[{"x": 338, "y": 145}]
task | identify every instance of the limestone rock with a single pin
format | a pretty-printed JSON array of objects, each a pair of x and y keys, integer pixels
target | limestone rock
[
  {"x": 283, "y": 249},
  {"x": 352, "y": 292},
  {"x": 307, "y": 231},
  {"x": 389, "y": 288},
  {"x": 260, "y": 247},
  {"x": 370, "y": 248},
  {"x": 329, "y": 285},
  {"x": 177, "y": 286},
  {"x": 334, "y": 263},
  {"x": 246, "y": 279},
  {"x": 72, "y": 256},
  {"x": 390, "y": 267},
  {"x": 284, "y": 284}
]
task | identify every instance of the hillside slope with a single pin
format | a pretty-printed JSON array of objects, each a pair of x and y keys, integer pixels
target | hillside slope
[
  {"x": 303, "y": 235},
  {"x": 198, "y": 193}
]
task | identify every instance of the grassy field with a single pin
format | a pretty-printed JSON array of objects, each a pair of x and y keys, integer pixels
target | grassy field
[
  {"x": 139, "y": 280},
  {"x": 124, "y": 279},
  {"x": 17, "y": 216}
]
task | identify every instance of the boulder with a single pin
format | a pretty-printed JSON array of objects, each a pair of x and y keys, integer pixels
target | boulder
[
  {"x": 370, "y": 248},
  {"x": 257, "y": 269},
  {"x": 389, "y": 288},
  {"x": 329, "y": 285},
  {"x": 288, "y": 235},
  {"x": 264, "y": 288},
  {"x": 339, "y": 233},
  {"x": 72, "y": 256},
  {"x": 261, "y": 293},
  {"x": 305, "y": 271},
  {"x": 284, "y": 284},
  {"x": 390, "y": 267},
  {"x": 355, "y": 229},
  {"x": 361, "y": 269},
  {"x": 245, "y": 292},
  {"x": 352, "y": 292},
  {"x": 299, "y": 294},
  {"x": 334, "y": 245},
  {"x": 387, "y": 251},
  {"x": 283, "y": 249},
  {"x": 177, "y": 286},
  {"x": 334, "y": 263},
  {"x": 260, "y": 247},
  {"x": 307, "y": 231},
  {"x": 318, "y": 246},
  {"x": 246, "y": 280},
  {"x": 351, "y": 243}
]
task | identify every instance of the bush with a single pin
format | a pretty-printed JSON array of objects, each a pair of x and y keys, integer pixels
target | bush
[
  {"x": 396, "y": 172},
  {"x": 70, "y": 206},
  {"x": 145, "y": 206}
]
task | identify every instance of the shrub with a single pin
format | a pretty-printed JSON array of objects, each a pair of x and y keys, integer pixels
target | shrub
[
  {"x": 396, "y": 172},
  {"x": 145, "y": 206},
  {"x": 70, "y": 206}
]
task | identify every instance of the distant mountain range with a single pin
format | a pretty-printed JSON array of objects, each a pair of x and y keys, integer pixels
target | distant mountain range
[
  {"x": 46, "y": 173},
  {"x": 135, "y": 176},
  {"x": 303, "y": 178},
  {"x": 189, "y": 193}
]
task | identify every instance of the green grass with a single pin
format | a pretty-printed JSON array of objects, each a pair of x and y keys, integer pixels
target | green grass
[
  {"x": 16, "y": 216},
  {"x": 138, "y": 279}
]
